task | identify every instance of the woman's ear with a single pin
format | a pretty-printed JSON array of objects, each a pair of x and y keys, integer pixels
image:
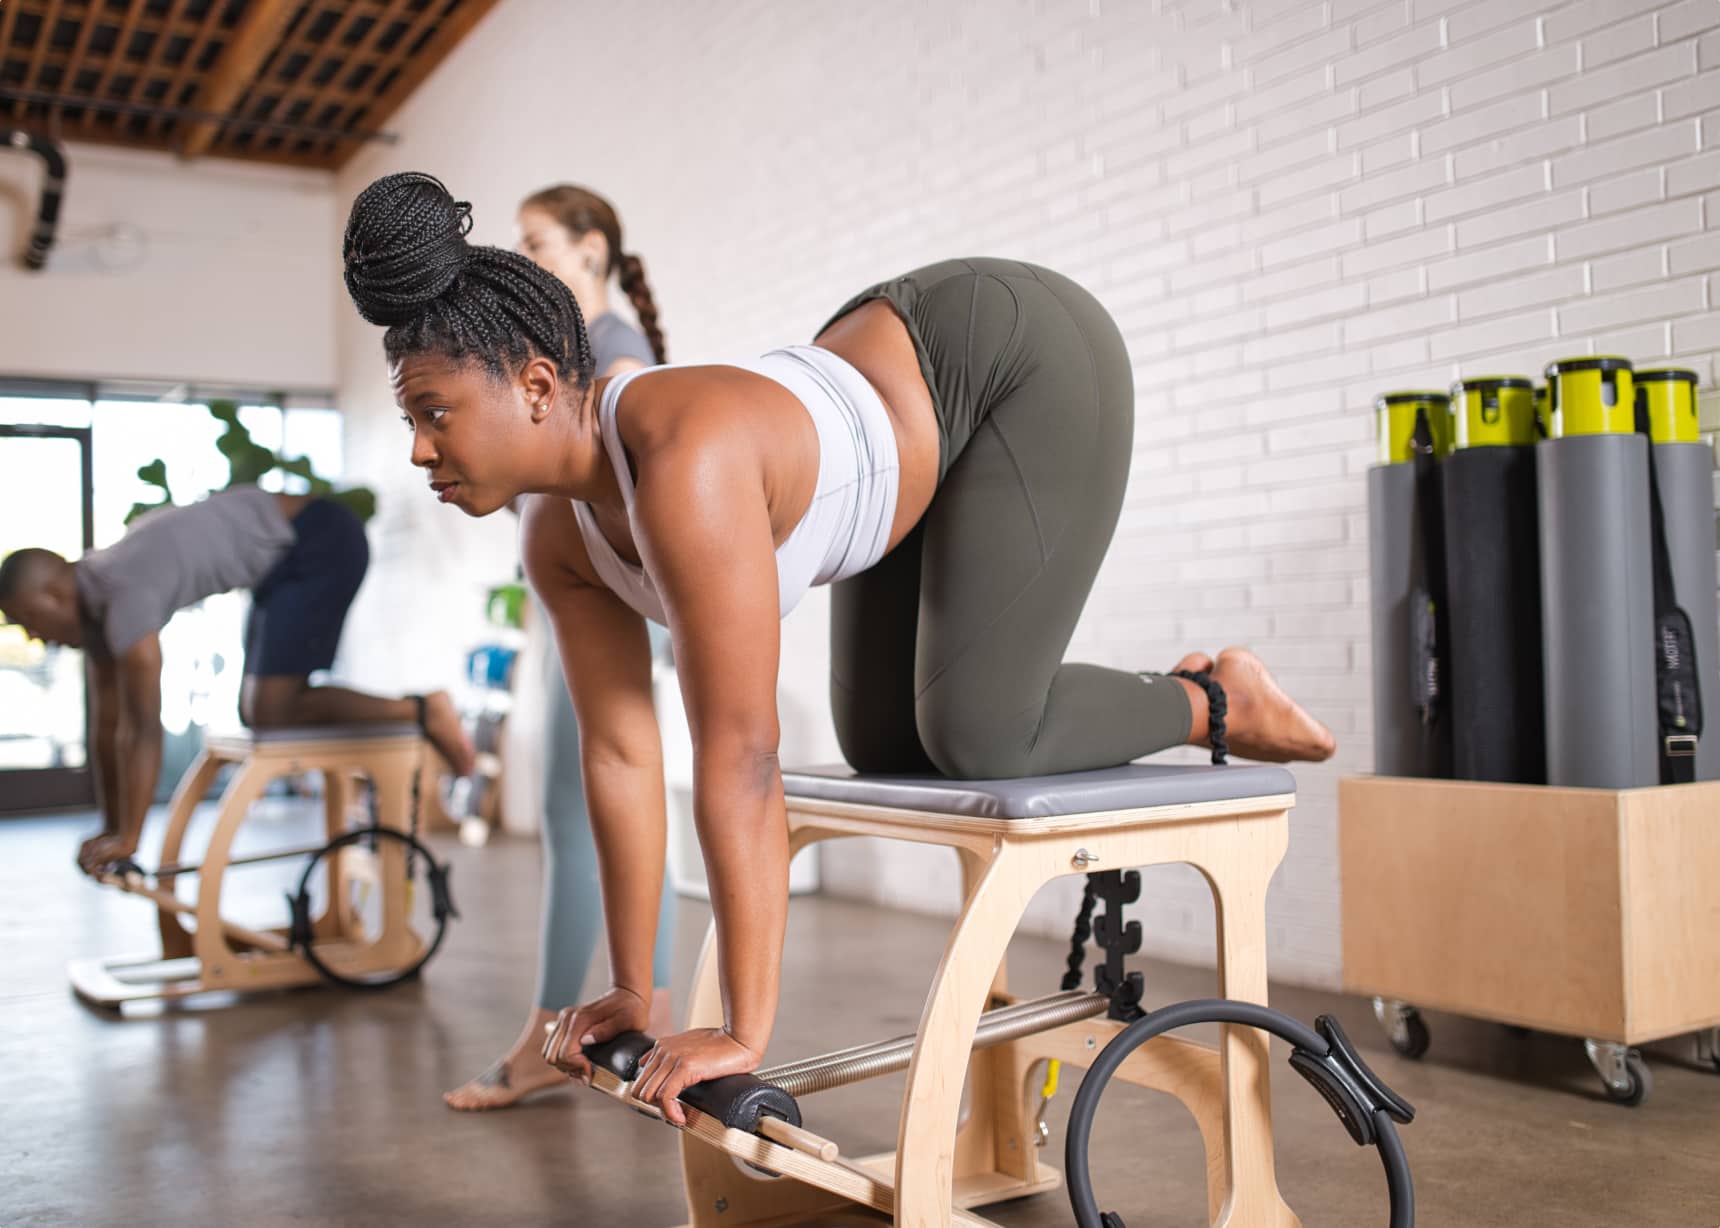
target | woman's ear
[
  {"x": 593, "y": 251},
  {"x": 539, "y": 386}
]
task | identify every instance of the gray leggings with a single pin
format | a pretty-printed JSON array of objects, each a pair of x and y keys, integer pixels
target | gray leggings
[
  {"x": 947, "y": 655},
  {"x": 572, "y": 895}
]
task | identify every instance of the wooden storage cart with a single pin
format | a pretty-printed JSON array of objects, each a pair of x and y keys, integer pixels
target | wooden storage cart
[{"x": 1587, "y": 912}]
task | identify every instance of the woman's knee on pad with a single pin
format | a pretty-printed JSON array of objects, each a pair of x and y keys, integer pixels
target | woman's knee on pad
[{"x": 968, "y": 739}]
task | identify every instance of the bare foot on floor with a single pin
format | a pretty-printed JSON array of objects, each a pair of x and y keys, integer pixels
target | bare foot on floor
[
  {"x": 1263, "y": 722},
  {"x": 522, "y": 1071},
  {"x": 442, "y": 726},
  {"x": 510, "y": 1080}
]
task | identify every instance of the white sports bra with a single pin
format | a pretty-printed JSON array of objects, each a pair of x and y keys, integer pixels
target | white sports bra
[{"x": 847, "y": 526}]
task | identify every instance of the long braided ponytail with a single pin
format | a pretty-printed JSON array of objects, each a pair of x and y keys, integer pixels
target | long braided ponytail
[{"x": 580, "y": 211}]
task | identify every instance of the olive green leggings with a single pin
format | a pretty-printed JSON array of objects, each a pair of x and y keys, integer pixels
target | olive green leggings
[{"x": 948, "y": 654}]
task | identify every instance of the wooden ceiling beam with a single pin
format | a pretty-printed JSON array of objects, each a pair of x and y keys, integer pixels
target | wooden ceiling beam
[
  {"x": 328, "y": 46},
  {"x": 50, "y": 20},
  {"x": 8, "y": 15},
  {"x": 365, "y": 52},
  {"x": 193, "y": 53},
  {"x": 117, "y": 58},
  {"x": 240, "y": 62},
  {"x": 86, "y": 31},
  {"x": 449, "y": 32}
]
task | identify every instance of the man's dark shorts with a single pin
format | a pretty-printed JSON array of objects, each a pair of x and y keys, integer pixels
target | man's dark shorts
[{"x": 298, "y": 609}]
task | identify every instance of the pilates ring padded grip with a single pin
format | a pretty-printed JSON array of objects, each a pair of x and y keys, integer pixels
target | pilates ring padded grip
[{"x": 1324, "y": 1056}]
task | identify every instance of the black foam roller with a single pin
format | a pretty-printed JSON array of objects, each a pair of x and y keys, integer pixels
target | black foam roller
[{"x": 1493, "y": 598}]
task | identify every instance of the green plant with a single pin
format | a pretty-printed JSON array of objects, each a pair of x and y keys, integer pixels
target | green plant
[{"x": 247, "y": 462}]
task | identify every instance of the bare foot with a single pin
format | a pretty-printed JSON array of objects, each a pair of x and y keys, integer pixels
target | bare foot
[
  {"x": 522, "y": 1071},
  {"x": 513, "y": 1076},
  {"x": 510, "y": 1080},
  {"x": 1194, "y": 663},
  {"x": 442, "y": 726},
  {"x": 1263, "y": 722}
]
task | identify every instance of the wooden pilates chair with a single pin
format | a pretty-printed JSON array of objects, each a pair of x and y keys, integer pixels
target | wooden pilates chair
[
  {"x": 371, "y": 874},
  {"x": 1230, "y": 823}
]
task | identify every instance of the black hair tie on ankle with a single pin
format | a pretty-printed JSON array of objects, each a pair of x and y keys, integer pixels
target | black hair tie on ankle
[{"x": 1216, "y": 707}]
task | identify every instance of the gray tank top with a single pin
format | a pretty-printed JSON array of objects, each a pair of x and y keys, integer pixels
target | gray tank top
[
  {"x": 847, "y": 526},
  {"x": 174, "y": 557}
]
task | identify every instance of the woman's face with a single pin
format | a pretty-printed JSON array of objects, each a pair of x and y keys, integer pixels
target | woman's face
[
  {"x": 474, "y": 435},
  {"x": 580, "y": 262}
]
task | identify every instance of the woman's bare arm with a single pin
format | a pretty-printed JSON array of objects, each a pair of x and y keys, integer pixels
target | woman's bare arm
[
  {"x": 701, "y": 521},
  {"x": 606, "y": 657}
]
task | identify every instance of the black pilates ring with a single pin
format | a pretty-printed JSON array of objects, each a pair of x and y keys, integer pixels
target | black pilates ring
[
  {"x": 1323, "y": 1055},
  {"x": 301, "y": 939}
]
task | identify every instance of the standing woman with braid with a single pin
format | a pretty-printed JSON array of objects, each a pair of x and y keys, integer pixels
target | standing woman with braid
[
  {"x": 576, "y": 235},
  {"x": 950, "y": 454}
]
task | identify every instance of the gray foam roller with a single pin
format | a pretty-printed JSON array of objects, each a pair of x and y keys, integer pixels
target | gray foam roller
[
  {"x": 1394, "y": 570},
  {"x": 1597, "y": 611},
  {"x": 1686, "y": 475}
]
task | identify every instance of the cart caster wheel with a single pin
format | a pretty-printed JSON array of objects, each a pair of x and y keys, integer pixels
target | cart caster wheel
[
  {"x": 1708, "y": 1049},
  {"x": 1624, "y": 1074},
  {"x": 1404, "y": 1026},
  {"x": 1641, "y": 1083}
]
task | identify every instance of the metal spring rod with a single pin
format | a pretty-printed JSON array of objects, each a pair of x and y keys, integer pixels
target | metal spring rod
[
  {"x": 991, "y": 1018},
  {"x": 888, "y": 1056},
  {"x": 171, "y": 869}
]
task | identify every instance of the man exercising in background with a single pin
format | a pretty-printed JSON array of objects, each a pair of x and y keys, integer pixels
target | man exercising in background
[{"x": 303, "y": 559}]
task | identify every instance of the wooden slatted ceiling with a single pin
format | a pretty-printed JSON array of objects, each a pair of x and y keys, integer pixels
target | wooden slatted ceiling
[{"x": 304, "y": 82}]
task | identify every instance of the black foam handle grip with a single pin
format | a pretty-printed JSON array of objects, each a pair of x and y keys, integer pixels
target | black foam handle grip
[
  {"x": 620, "y": 1055},
  {"x": 738, "y": 1101}
]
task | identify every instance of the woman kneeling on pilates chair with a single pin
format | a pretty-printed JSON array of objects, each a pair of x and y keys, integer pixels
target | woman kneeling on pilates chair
[{"x": 950, "y": 454}]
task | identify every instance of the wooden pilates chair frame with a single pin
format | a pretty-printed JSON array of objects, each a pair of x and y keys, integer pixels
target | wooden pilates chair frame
[
  {"x": 943, "y": 1166},
  {"x": 218, "y": 955}
]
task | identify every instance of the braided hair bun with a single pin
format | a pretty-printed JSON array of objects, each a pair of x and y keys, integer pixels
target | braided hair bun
[
  {"x": 405, "y": 246},
  {"x": 409, "y": 267}
]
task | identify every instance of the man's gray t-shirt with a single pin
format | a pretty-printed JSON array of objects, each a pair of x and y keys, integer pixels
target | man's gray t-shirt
[
  {"x": 177, "y": 556},
  {"x": 612, "y": 338}
]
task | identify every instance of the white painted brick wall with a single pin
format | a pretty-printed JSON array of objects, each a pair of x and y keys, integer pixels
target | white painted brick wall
[{"x": 1290, "y": 205}]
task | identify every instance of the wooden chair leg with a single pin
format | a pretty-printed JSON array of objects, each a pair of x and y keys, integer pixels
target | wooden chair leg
[
  {"x": 1239, "y": 876},
  {"x": 992, "y": 1137},
  {"x": 187, "y": 794},
  {"x": 719, "y": 1193},
  {"x": 931, "y": 1104},
  {"x": 218, "y": 959}
]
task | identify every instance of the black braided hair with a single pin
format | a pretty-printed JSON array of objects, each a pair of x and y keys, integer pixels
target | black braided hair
[{"x": 409, "y": 267}]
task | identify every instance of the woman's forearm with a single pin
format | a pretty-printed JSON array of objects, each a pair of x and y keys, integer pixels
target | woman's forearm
[
  {"x": 628, "y": 822},
  {"x": 743, "y": 829}
]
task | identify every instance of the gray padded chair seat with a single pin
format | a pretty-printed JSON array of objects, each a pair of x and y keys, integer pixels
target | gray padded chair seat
[
  {"x": 1134, "y": 786},
  {"x": 319, "y": 733}
]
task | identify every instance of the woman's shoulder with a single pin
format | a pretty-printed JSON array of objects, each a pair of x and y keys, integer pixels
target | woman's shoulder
[{"x": 663, "y": 408}]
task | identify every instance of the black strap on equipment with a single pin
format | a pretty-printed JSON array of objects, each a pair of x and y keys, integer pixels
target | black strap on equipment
[
  {"x": 1678, "y": 687},
  {"x": 1428, "y": 611}
]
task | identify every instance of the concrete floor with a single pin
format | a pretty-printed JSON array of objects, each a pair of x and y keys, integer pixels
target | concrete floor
[{"x": 322, "y": 1107}]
